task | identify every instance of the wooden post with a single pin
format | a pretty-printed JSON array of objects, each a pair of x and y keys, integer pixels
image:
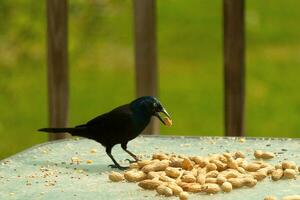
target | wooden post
[
  {"x": 234, "y": 66},
  {"x": 145, "y": 53},
  {"x": 57, "y": 26}
]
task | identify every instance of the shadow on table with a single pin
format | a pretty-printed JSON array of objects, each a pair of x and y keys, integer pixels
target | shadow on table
[{"x": 90, "y": 168}]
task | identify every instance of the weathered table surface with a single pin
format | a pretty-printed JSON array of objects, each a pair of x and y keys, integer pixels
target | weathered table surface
[{"x": 45, "y": 171}]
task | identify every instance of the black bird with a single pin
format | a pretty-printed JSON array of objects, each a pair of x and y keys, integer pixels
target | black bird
[{"x": 118, "y": 126}]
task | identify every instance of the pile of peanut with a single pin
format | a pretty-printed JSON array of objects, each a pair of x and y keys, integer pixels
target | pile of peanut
[{"x": 177, "y": 175}]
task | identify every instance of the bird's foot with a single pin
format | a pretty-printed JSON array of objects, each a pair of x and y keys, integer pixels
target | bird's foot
[
  {"x": 118, "y": 167},
  {"x": 131, "y": 161}
]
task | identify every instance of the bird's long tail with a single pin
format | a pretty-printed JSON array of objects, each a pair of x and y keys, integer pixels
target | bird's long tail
[
  {"x": 74, "y": 131},
  {"x": 56, "y": 130}
]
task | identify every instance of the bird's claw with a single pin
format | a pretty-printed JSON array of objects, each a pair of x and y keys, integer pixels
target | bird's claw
[
  {"x": 118, "y": 167},
  {"x": 131, "y": 161}
]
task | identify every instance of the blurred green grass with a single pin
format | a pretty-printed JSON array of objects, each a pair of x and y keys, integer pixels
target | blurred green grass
[{"x": 190, "y": 66}]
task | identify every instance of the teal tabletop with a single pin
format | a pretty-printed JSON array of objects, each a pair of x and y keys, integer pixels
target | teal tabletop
[{"x": 77, "y": 168}]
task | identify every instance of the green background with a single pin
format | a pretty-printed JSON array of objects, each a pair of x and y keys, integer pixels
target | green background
[{"x": 190, "y": 66}]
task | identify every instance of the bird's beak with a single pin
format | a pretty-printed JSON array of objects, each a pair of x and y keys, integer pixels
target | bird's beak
[{"x": 160, "y": 118}]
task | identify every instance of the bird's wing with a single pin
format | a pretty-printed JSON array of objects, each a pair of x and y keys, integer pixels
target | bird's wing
[{"x": 115, "y": 117}]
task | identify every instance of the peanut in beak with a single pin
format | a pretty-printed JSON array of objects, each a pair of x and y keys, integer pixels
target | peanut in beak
[{"x": 168, "y": 121}]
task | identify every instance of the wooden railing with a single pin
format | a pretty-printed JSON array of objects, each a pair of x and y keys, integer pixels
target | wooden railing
[
  {"x": 146, "y": 61},
  {"x": 58, "y": 82},
  {"x": 145, "y": 53},
  {"x": 234, "y": 66}
]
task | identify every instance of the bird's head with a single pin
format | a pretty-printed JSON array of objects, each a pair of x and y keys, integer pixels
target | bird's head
[{"x": 148, "y": 106}]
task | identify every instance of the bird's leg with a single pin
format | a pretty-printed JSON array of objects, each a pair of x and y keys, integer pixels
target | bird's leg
[
  {"x": 116, "y": 164},
  {"x": 124, "y": 147}
]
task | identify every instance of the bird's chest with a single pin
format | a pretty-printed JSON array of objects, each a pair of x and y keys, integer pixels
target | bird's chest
[{"x": 139, "y": 124}]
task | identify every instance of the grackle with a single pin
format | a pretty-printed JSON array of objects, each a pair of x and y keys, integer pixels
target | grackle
[{"x": 118, "y": 126}]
